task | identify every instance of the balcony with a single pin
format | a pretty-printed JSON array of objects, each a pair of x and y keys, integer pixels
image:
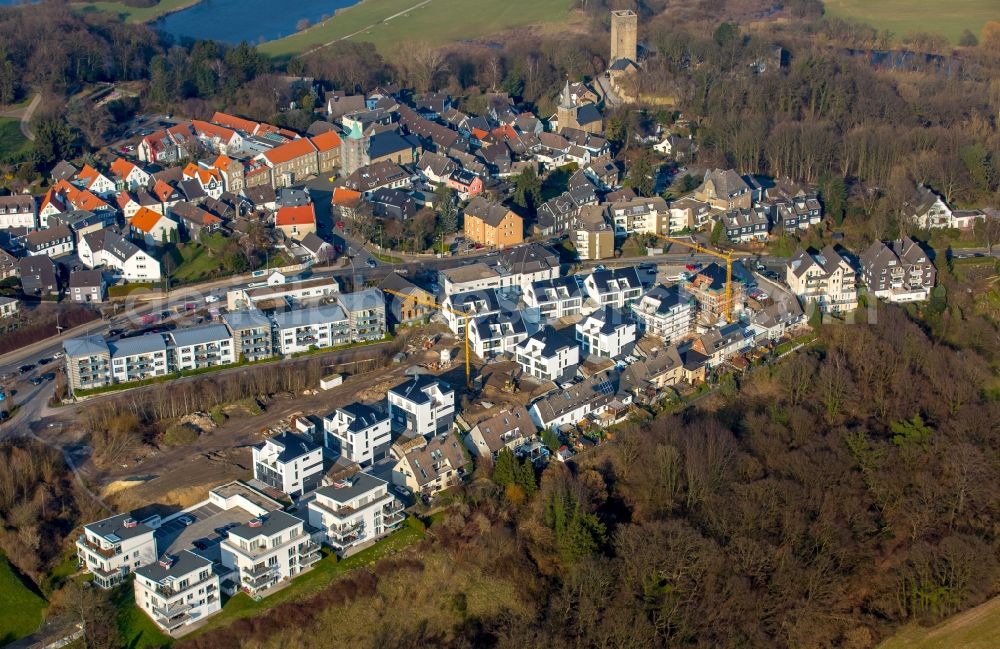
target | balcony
[
  {"x": 172, "y": 610},
  {"x": 345, "y": 532},
  {"x": 107, "y": 553}
]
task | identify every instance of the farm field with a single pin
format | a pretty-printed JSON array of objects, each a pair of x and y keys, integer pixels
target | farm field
[
  {"x": 20, "y": 608},
  {"x": 387, "y": 23},
  {"x": 136, "y": 14},
  {"x": 975, "y": 629},
  {"x": 902, "y": 17}
]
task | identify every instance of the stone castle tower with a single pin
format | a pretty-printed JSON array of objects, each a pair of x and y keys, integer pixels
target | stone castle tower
[{"x": 624, "y": 29}]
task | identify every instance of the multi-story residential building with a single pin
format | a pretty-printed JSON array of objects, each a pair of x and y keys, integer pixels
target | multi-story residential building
[
  {"x": 496, "y": 334},
  {"x": 422, "y": 406},
  {"x": 315, "y": 327},
  {"x": 429, "y": 466},
  {"x": 666, "y": 312},
  {"x": 128, "y": 176},
  {"x": 606, "y": 332},
  {"x": 110, "y": 249},
  {"x": 268, "y": 550},
  {"x": 618, "y": 287},
  {"x": 930, "y": 210},
  {"x": 178, "y": 590},
  {"x": 112, "y": 549},
  {"x": 289, "y": 462},
  {"x": 53, "y": 242},
  {"x": 279, "y": 289},
  {"x": 528, "y": 263},
  {"x": 746, "y": 225},
  {"x": 18, "y": 211},
  {"x": 402, "y": 310},
  {"x": 824, "y": 278},
  {"x": 724, "y": 190},
  {"x": 359, "y": 433},
  {"x": 548, "y": 355},
  {"x": 200, "y": 347},
  {"x": 797, "y": 213},
  {"x": 719, "y": 344},
  {"x": 491, "y": 224},
  {"x": 138, "y": 358},
  {"x": 291, "y": 162},
  {"x": 87, "y": 286},
  {"x": 898, "y": 272},
  {"x": 474, "y": 277},
  {"x": 577, "y": 402},
  {"x": 38, "y": 275},
  {"x": 648, "y": 378},
  {"x": 555, "y": 298},
  {"x": 708, "y": 287},
  {"x": 509, "y": 428},
  {"x": 9, "y": 307},
  {"x": 88, "y": 363},
  {"x": 474, "y": 303},
  {"x": 253, "y": 339},
  {"x": 688, "y": 213},
  {"x": 640, "y": 215},
  {"x": 365, "y": 314},
  {"x": 354, "y": 512},
  {"x": 593, "y": 236}
]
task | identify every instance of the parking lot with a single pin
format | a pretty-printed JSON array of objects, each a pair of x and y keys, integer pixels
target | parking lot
[{"x": 176, "y": 536}]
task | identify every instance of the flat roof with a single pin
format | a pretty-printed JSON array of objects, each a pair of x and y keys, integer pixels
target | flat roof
[
  {"x": 270, "y": 524},
  {"x": 144, "y": 344}
]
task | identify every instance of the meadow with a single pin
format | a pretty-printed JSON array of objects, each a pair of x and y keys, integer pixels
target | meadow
[
  {"x": 20, "y": 607},
  {"x": 903, "y": 17},
  {"x": 136, "y": 14},
  {"x": 978, "y": 628}
]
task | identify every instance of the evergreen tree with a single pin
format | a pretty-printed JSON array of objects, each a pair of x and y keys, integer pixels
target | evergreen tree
[
  {"x": 833, "y": 191},
  {"x": 525, "y": 478},
  {"x": 505, "y": 468},
  {"x": 642, "y": 175},
  {"x": 528, "y": 190},
  {"x": 444, "y": 201},
  {"x": 550, "y": 440},
  {"x": 717, "y": 233}
]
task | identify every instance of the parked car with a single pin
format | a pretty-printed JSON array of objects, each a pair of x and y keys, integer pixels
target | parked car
[
  {"x": 48, "y": 376},
  {"x": 185, "y": 520},
  {"x": 372, "y": 263},
  {"x": 24, "y": 369},
  {"x": 37, "y": 380},
  {"x": 44, "y": 361}
]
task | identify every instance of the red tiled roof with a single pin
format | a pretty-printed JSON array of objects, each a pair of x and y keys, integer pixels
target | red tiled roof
[
  {"x": 121, "y": 168},
  {"x": 145, "y": 220},
  {"x": 297, "y": 215},
  {"x": 163, "y": 191},
  {"x": 289, "y": 151},
  {"x": 214, "y": 130},
  {"x": 326, "y": 141},
  {"x": 235, "y": 123},
  {"x": 345, "y": 197}
]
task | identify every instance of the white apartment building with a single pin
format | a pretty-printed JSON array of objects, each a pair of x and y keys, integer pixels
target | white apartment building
[
  {"x": 496, "y": 334},
  {"x": 278, "y": 288},
  {"x": 617, "y": 287},
  {"x": 476, "y": 304},
  {"x": 354, "y": 512},
  {"x": 665, "y": 312},
  {"x": 88, "y": 362},
  {"x": 548, "y": 356},
  {"x": 474, "y": 277},
  {"x": 365, "y": 314},
  {"x": 268, "y": 550},
  {"x": 290, "y": 462},
  {"x": 18, "y": 211},
  {"x": 359, "y": 433},
  {"x": 555, "y": 298},
  {"x": 422, "y": 406},
  {"x": 110, "y": 249},
  {"x": 824, "y": 278},
  {"x": 178, "y": 590},
  {"x": 607, "y": 333},
  {"x": 201, "y": 347},
  {"x": 115, "y": 547},
  {"x": 303, "y": 329},
  {"x": 640, "y": 215},
  {"x": 138, "y": 358},
  {"x": 586, "y": 399}
]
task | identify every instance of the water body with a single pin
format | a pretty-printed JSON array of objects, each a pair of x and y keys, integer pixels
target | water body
[{"x": 254, "y": 21}]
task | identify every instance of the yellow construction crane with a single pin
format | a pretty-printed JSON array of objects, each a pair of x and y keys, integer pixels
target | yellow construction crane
[
  {"x": 431, "y": 303},
  {"x": 728, "y": 256}
]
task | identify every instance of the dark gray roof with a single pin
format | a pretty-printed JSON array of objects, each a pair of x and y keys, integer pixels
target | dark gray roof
[
  {"x": 668, "y": 297},
  {"x": 461, "y": 301},
  {"x": 313, "y": 243},
  {"x": 550, "y": 289},
  {"x": 370, "y": 298},
  {"x": 609, "y": 317},
  {"x": 387, "y": 143},
  {"x": 597, "y": 390},
  {"x": 311, "y": 316},
  {"x": 351, "y": 487},
  {"x": 491, "y": 213},
  {"x": 115, "y": 528},
  {"x": 183, "y": 563},
  {"x": 85, "y": 278},
  {"x": 629, "y": 276},
  {"x": 414, "y": 389},
  {"x": 588, "y": 114},
  {"x": 144, "y": 344},
  {"x": 199, "y": 335},
  {"x": 552, "y": 341},
  {"x": 270, "y": 524},
  {"x": 290, "y": 197},
  {"x": 292, "y": 445},
  {"x": 364, "y": 416},
  {"x": 85, "y": 346},
  {"x": 253, "y": 318}
]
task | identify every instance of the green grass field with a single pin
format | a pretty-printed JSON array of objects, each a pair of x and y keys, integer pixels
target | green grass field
[
  {"x": 902, "y": 17},
  {"x": 13, "y": 145},
  {"x": 975, "y": 629},
  {"x": 435, "y": 22},
  {"x": 20, "y": 607},
  {"x": 136, "y": 14}
]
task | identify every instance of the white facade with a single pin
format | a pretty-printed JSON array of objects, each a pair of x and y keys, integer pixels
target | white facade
[
  {"x": 138, "y": 358},
  {"x": 555, "y": 298},
  {"x": 178, "y": 590},
  {"x": 664, "y": 312},
  {"x": 18, "y": 212},
  {"x": 618, "y": 288},
  {"x": 268, "y": 550},
  {"x": 476, "y": 304},
  {"x": 548, "y": 356},
  {"x": 824, "y": 278},
  {"x": 318, "y": 327},
  {"x": 605, "y": 333},
  {"x": 354, "y": 512},
  {"x": 640, "y": 215},
  {"x": 422, "y": 405},
  {"x": 474, "y": 277},
  {"x": 358, "y": 432},
  {"x": 201, "y": 347},
  {"x": 495, "y": 335},
  {"x": 290, "y": 462},
  {"x": 115, "y": 547}
]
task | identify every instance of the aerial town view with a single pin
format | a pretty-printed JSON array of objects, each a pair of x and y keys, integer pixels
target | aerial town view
[{"x": 503, "y": 324}]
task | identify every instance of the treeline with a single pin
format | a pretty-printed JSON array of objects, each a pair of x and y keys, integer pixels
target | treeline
[{"x": 824, "y": 502}]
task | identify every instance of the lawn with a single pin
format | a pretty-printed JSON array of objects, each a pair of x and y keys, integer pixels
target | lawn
[
  {"x": 20, "y": 606},
  {"x": 201, "y": 260},
  {"x": 902, "y": 17},
  {"x": 136, "y": 14},
  {"x": 388, "y": 23},
  {"x": 138, "y": 631},
  {"x": 975, "y": 629},
  {"x": 13, "y": 145}
]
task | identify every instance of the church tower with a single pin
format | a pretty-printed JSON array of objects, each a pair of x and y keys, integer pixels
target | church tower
[
  {"x": 566, "y": 110},
  {"x": 624, "y": 29}
]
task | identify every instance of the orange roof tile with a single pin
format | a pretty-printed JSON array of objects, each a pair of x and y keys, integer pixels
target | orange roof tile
[
  {"x": 123, "y": 199},
  {"x": 121, "y": 168},
  {"x": 234, "y": 122},
  {"x": 295, "y": 215},
  {"x": 222, "y": 162},
  {"x": 52, "y": 197},
  {"x": 326, "y": 141},
  {"x": 289, "y": 151},
  {"x": 88, "y": 173},
  {"x": 345, "y": 197},
  {"x": 214, "y": 130},
  {"x": 85, "y": 200},
  {"x": 145, "y": 220},
  {"x": 479, "y": 133},
  {"x": 163, "y": 191}
]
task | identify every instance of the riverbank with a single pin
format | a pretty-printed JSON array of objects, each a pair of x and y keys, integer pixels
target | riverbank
[{"x": 136, "y": 14}]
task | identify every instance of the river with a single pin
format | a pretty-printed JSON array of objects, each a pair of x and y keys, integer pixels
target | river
[{"x": 254, "y": 21}]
